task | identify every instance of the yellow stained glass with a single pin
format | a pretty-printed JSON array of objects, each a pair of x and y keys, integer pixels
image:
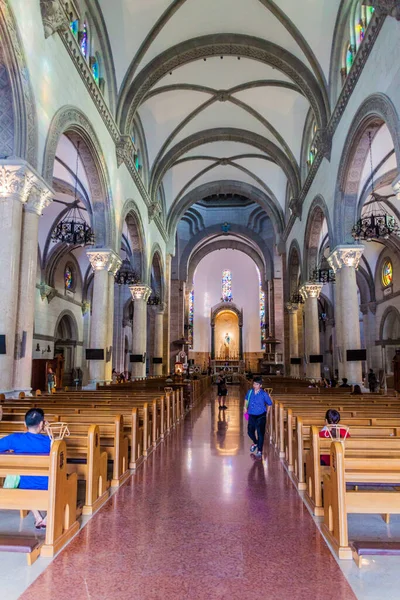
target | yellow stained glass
[{"x": 387, "y": 273}]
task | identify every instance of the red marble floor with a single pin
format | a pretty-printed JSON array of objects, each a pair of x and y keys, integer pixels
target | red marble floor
[{"x": 199, "y": 520}]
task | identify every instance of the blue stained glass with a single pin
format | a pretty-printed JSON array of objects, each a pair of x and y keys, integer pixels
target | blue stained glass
[
  {"x": 227, "y": 286},
  {"x": 95, "y": 72},
  {"x": 83, "y": 42},
  {"x": 74, "y": 26}
]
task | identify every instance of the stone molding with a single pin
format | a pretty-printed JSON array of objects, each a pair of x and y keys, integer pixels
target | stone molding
[
  {"x": 140, "y": 292},
  {"x": 20, "y": 182},
  {"x": 345, "y": 256},
  {"x": 104, "y": 260},
  {"x": 311, "y": 290},
  {"x": 54, "y": 17}
]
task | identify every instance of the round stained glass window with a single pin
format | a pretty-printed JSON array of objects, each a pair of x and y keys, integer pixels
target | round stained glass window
[
  {"x": 387, "y": 273},
  {"x": 68, "y": 278}
]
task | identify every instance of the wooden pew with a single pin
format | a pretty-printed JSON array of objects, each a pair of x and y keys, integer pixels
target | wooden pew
[
  {"x": 59, "y": 500},
  {"x": 360, "y": 442},
  {"x": 339, "y": 501}
]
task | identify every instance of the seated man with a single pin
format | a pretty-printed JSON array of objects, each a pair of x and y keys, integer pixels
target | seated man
[
  {"x": 330, "y": 430},
  {"x": 344, "y": 384},
  {"x": 31, "y": 442}
]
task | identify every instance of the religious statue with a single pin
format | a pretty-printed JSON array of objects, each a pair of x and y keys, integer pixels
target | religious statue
[{"x": 227, "y": 341}]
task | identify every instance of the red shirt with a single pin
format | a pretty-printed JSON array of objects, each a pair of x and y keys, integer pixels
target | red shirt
[{"x": 324, "y": 433}]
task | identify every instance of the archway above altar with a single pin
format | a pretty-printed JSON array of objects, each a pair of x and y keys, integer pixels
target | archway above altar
[{"x": 226, "y": 332}]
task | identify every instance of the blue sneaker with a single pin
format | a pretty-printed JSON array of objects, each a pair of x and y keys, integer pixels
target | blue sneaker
[{"x": 253, "y": 447}]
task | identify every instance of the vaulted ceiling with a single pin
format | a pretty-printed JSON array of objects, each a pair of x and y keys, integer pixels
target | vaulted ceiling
[{"x": 223, "y": 88}]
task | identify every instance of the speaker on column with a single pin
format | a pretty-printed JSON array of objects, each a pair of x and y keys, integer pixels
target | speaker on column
[{"x": 3, "y": 344}]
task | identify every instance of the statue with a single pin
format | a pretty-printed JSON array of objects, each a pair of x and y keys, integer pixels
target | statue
[{"x": 227, "y": 341}]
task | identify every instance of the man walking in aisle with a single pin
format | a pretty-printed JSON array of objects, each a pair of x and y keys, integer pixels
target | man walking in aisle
[{"x": 256, "y": 406}]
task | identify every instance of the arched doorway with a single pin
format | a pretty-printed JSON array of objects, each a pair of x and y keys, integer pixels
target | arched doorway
[{"x": 65, "y": 342}]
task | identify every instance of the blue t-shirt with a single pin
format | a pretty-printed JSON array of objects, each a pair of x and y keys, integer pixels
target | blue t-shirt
[
  {"x": 28, "y": 443},
  {"x": 258, "y": 403}
]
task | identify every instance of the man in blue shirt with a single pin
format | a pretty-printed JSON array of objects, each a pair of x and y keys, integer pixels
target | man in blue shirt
[
  {"x": 256, "y": 405},
  {"x": 31, "y": 442}
]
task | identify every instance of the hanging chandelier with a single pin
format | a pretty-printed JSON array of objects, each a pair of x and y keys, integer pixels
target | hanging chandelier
[
  {"x": 321, "y": 275},
  {"x": 375, "y": 222},
  {"x": 154, "y": 301},
  {"x": 73, "y": 228},
  {"x": 126, "y": 275}
]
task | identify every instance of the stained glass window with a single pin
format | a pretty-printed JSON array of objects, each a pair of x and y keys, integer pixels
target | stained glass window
[
  {"x": 95, "y": 71},
  {"x": 191, "y": 318},
  {"x": 227, "y": 286},
  {"x": 83, "y": 40},
  {"x": 360, "y": 32},
  {"x": 74, "y": 26},
  {"x": 369, "y": 12},
  {"x": 137, "y": 162},
  {"x": 68, "y": 278},
  {"x": 387, "y": 273},
  {"x": 349, "y": 58},
  {"x": 262, "y": 312}
]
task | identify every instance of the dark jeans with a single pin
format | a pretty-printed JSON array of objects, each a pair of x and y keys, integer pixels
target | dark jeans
[{"x": 256, "y": 424}]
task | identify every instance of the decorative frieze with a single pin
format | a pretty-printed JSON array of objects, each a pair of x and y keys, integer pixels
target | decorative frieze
[
  {"x": 140, "y": 292},
  {"x": 104, "y": 260},
  {"x": 345, "y": 256},
  {"x": 311, "y": 290}
]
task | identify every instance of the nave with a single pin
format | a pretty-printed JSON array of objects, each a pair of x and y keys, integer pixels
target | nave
[{"x": 198, "y": 520}]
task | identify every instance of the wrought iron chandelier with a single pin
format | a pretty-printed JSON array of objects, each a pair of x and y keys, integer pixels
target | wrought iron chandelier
[
  {"x": 375, "y": 222},
  {"x": 73, "y": 228},
  {"x": 126, "y": 275},
  {"x": 321, "y": 275}
]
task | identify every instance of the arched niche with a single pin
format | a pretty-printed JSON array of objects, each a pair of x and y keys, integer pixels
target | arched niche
[{"x": 226, "y": 315}]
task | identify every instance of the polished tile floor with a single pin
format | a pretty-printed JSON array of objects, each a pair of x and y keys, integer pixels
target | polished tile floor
[{"x": 201, "y": 519}]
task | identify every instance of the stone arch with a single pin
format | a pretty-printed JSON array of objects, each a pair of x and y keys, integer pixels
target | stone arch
[
  {"x": 375, "y": 111},
  {"x": 188, "y": 269},
  {"x": 318, "y": 212},
  {"x": 236, "y": 230},
  {"x": 156, "y": 272},
  {"x": 18, "y": 121},
  {"x": 73, "y": 123},
  {"x": 273, "y": 209},
  {"x": 294, "y": 267},
  {"x": 72, "y": 324},
  {"x": 135, "y": 89},
  {"x": 390, "y": 322},
  {"x": 131, "y": 215},
  {"x": 231, "y": 134}
]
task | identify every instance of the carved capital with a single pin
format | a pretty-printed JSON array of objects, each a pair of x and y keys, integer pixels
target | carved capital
[
  {"x": 104, "y": 260},
  {"x": 39, "y": 197},
  {"x": 140, "y": 292},
  {"x": 18, "y": 181},
  {"x": 385, "y": 8},
  {"x": 372, "y": 307},
  {"x": 311, "y": 290},
  {"x": 296, "y": 207},
  {"x": 154, "y": 210},
  {"x": 124, "y": 148},
  {"x": 85, "y": 307},
  {"x": 345, "y": 256},
  {"x": 54, "y": 17},
  {"x": 323, "y": 142},
  {"x": 291, "y": 308},
  {"x": 46, "y": 291}
]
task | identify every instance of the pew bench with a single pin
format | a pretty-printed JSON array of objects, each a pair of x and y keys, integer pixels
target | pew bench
[
  {"x": 59, "y": 500},
  {"x": 25, "y": 544},
  {"x": 339, "y": 501}
]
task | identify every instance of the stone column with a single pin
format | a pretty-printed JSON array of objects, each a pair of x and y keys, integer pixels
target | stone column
[
  {"x": 118, "y": 336},
  {"x": 293, "y": 337},
  {"x": 105, "y": 262},
  {"x": 110, "y": 325},
  {"x": 344, "y": 261},
  {"x": 39, "y": 197},
  {"x": 158, "y": 339},
  {"x": 16, "y": 181},
  {"x": 310, "y": 292},
  {"x": 329, "y": 325},
  {"x": 140, "y": 295}
]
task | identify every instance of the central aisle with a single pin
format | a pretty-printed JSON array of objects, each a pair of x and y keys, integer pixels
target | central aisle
[{"x": 199, "y": 520}]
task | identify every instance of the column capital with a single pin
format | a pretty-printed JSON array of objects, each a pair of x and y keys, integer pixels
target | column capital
[
  {"x": 85, "y": 307},
  {"x": 345, "y": 256},
  {"x": 104, "y": 260},
  {"x": 291, "y": 308},
  {"x": 19, "y": 181},
  {"x": 159, "y": 309},
  {"x": 140, "y": 292},
  {"x": 54, "y": 17},
  {"x": 311, "y": 289}
]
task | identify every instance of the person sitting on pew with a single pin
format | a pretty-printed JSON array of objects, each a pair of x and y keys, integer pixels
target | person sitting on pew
[
  {"x": 344, "y": 384},
  {"x": 330, "y": 430},
  {"x": 356, "y": 391},
  {"x": 30, "y": 442}
]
